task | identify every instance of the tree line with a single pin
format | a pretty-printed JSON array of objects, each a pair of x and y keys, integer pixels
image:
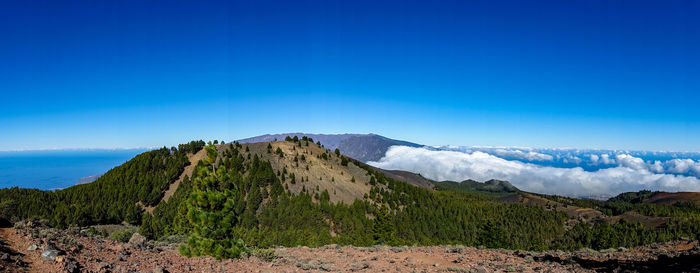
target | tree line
[
  {"x": 235, "y": 199},
  {"x": 111, "y": 199}
]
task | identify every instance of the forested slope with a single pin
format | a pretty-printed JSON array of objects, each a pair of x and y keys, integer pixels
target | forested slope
[
  {"x": 267, "y": 194},
  {"x": 110, "y": 199},
  {"x": 234, "y": 194}
]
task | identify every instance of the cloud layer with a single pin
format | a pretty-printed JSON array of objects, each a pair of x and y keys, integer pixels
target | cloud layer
[
  {"x": 525, "y": 155},
  {"x": 682, "y": 163},
  {"x": 632, "y": 174}
]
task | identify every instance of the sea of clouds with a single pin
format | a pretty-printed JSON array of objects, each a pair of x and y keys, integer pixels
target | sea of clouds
[{"x": 596, "y": 174}]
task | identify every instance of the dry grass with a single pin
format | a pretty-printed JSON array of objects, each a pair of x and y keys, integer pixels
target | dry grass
[
  {"x": 323, "y": 174},
  {"x": 673, "y": 197}
]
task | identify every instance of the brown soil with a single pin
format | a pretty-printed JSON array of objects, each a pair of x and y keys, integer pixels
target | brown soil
[
  {"x": 673, "y": 197},
  {"x": 194, "y": 159},
  {"x": 30, "y": 260},
  {"x": 408, "y": 177},
  {"x": 97, "y": 254},
  {"x": 327, "y": 174}
]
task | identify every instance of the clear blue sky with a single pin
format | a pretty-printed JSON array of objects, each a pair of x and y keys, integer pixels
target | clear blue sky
[{"x": 585, "y": 74}]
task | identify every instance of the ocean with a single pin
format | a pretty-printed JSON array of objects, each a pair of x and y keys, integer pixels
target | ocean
[{"x": 57, "y": 169}]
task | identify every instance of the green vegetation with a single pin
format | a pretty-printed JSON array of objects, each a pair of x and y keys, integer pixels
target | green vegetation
[
  {"x": 211, "y": 209},
  {"x": 95, "y": 232},
  {"x": 235, "y": 203},
  {"x": 491, "y": 188},
  {"x": 395, "y": 213},
  {"x": 631, "y": 201},
  {"x": 123, "y": 235},
  {"x": 632, "y": 197},
  {"x": 264, "y": 254},
  {"x": 602, "y": 235},
  {"x": 111, "y": 199}
]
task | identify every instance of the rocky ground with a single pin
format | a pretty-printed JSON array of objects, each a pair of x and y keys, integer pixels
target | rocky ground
[{"x": 34, "y": 248}]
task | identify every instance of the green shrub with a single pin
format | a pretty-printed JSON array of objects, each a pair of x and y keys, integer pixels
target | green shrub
[
  {"x": 20, "y": 225},
  {"x": 48, "y": 233},
  {"x": 265, "y": 254},
  {"x": 96, "y": 232},
  {"x": 123, "y": 235}
]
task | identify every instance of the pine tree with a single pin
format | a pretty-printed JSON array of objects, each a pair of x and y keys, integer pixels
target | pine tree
[
  {"x": 383, "y": 229},
  {"x": 211, "y": 212}
]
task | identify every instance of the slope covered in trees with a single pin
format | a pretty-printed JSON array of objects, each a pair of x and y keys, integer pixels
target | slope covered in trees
[
  {"x": 267, "y": 194},
  {"x": 261, "y": 210},
  {"x": 112, "y": 198},
  {"x": 491, "y": 186}
]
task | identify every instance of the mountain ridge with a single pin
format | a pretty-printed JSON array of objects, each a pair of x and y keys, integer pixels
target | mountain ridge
[
  {"x": 363, "y": 147},
  {"x": 297, "y": 192}
]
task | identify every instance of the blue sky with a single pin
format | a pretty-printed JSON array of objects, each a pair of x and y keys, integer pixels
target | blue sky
[{"x": 612, "y": 74}]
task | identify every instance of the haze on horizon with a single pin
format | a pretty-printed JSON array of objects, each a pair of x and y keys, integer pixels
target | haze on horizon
[{"x": 86, "y": 74}]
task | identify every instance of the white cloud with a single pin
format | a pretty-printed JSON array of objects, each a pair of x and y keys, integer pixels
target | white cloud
[
  {"x": 594, "y": 159},
  {"x": 572, "y": 159},
  {"x": 531, "y": 156},
  {"x": 686, "y": 166},
  {"x": 626, "y": 160},
  {"x": 656, "y": 167},
  {"x": 605, "y": 159},
  {"x": 682, "y": 166},
  {"x": 458, "y": 166},
  {"x": 522, "y": 153}
]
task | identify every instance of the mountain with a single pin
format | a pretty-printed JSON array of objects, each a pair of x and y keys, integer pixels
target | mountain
[
  {"x": 657, "y": 197},
  {"x": 493, "y": 186},
  {"x": 87, "y": 179},
  {"x": 319, "y": 169},
  {"x": 363, "y": 147},
  {"x": 408, "y": 177},
  {"x": 590, "y": 212},
  {"x": 234, "y": 198}
]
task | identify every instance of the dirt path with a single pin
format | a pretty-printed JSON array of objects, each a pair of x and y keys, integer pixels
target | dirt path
[
  {"x": 17, "y": 242},
  {"x": 98, "y": 254},
  {"x": 194, "y": 159}
]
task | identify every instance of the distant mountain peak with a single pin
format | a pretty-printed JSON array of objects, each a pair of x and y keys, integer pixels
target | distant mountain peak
[
  {"x": 363, "y": 147},
  {"x": 493, "y": 185}
]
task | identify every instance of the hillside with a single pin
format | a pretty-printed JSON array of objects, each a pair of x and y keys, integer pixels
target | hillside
[
  {"x": 368, "y": 147},
  {"x": 329, "y": 174},
  {"x": 657, "y": 197},
  {"x": 408, "y": 177},
  {"x": 87, "y": 179},
  {"x": 305, "y": 166},
  {"x": 113, "y": 198},
  {"x": 231, "y": 198},
  {"x": 193, "y": 159},
  {"x": 673, "y": 197},
  {"x": 85, "y": 252},
  {"x": 591, "y": 212},
  {"x": 491, "y": 186}
]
